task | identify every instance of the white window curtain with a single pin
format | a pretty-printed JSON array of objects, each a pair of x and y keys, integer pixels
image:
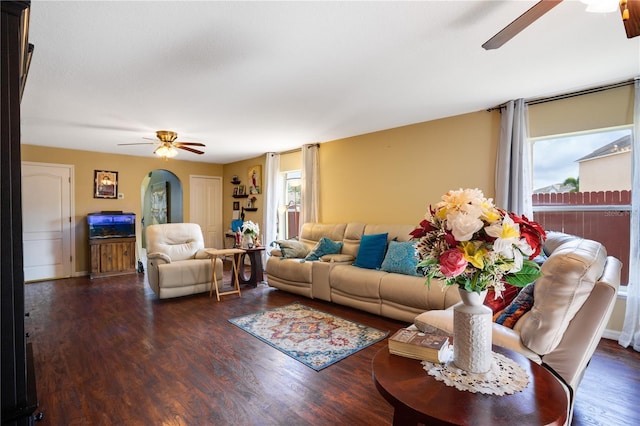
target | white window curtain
[
  {"x": 631, "y": 329},
  {"x": 272, "y": 200},
  {"x": 513, "y": 166},
  {"x": 309, "y": 192}
]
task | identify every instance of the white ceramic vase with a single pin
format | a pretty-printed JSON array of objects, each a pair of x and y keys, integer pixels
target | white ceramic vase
[
  {"x": 472, "y": 333},
  {"x": 247, "y": 241}
]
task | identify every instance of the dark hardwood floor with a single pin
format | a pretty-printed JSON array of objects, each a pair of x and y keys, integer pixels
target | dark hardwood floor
[{"x": 107, "y": 351}]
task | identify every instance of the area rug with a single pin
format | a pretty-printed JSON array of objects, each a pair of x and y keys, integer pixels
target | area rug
[{"x": 315, "y": 338}]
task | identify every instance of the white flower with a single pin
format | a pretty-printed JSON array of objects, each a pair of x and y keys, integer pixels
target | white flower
[
  {"x": 250, "y": 227},
  {"x": 463, "y": 226}
]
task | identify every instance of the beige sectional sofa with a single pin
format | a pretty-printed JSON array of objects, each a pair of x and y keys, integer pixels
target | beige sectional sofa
[{"x": 334, "y": 278}]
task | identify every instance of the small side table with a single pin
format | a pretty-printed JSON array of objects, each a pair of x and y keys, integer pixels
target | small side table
[
  {"x": 255, "y": 259},
  {"x": 235, "y": 256}
]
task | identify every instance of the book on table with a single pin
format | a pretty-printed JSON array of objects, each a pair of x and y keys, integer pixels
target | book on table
[{"x": 415, "y": 344}]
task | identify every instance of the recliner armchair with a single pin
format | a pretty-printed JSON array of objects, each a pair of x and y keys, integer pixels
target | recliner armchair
[
  {"x": 177, "y": 261},
  {"x": 572, "y": 304}
]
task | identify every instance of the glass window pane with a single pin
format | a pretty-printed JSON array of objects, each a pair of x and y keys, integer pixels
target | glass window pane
[{"x": 582, "y": 186}]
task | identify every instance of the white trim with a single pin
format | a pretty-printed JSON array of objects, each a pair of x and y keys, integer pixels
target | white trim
[{"x": 72, "y": 210}]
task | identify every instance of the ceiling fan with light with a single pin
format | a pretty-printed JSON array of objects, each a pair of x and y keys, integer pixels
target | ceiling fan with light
[
  {"x": 167, "y": 144},
  {"x": 629, "y": 9}
]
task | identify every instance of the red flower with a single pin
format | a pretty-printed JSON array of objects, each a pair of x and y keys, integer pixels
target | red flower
[
  {"x": 452, "y": 263},
  {"x": 425, "y": 227},
  {"x": 532, "y": 232},
  {"x": 450, "y": 239}
]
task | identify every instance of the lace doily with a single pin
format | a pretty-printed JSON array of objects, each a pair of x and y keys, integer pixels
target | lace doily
[{"x": 504, "y": 378}]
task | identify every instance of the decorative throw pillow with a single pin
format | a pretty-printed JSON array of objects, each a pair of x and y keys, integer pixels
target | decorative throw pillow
[
  {"x": 371, "y": 251},
  {"x": 324, "y": 246},
  {"x": 400, "y": 258},
  {"x": 292, "y": 249},
  {"x": 517, "y": 308},
  {"x": 508, "y": 294}
]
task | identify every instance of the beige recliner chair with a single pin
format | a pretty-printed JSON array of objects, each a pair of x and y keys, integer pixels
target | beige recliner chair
[
  {"x": 572, "y": 303},
  {"x": 177, "y": 263}
]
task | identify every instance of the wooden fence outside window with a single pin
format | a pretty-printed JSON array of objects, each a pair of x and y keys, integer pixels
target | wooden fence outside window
[{"x": 603, "y": 216}]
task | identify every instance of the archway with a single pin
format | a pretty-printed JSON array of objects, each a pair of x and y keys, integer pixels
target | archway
[{"x": 161, "y": 193}]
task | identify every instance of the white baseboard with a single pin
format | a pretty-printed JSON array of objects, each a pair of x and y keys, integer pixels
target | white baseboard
[{"x": 611, "y": 334}]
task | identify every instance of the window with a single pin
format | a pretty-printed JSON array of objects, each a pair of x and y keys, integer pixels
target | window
[
  {"x": 289, "y": 213},
  {"x": 582, "y": 186}
]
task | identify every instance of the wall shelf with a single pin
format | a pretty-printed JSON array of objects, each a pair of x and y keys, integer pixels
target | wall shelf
[{"x": 241, "y": 196}]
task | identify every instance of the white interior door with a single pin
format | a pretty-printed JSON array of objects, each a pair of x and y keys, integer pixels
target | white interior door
[
  {"x": 46, "y": 220},
  {"x": 205, "y": 206}
]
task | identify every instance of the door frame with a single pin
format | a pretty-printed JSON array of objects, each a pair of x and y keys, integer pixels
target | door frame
[
  {"x": 72, "y": 211},
  {"x": 220, "y": 201}
]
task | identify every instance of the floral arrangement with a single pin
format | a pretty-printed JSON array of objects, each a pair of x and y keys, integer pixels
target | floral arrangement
[
  {"x": 466, "y": 240},
  {"x": 250, "y": 228}
]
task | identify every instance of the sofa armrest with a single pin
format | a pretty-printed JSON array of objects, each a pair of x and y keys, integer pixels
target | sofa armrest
[
  {"x": 202, "y": 254},
  {"x": 159, "y": 257},
  {"x": 276, "y": 252}
]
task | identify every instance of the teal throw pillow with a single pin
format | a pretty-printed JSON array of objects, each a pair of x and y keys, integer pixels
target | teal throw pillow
[
  {"x": 371, "y": 251},
  {"x": 324, "y": 246},
  {"x": 401, "y": 258}
]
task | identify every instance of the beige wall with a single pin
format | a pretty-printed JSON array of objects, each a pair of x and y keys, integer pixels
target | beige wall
[
  {"x": 392, "y": 176},
  {"x": 241, "y": 169},
  {"x": 609, "y": 173},
  {"x": 131, "y": 171}
]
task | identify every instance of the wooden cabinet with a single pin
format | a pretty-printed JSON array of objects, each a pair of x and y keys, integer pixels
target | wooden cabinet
[{"x": 112, "y": 256}]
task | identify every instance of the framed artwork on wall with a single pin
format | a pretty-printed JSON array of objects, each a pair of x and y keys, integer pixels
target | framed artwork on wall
[
  {"x": 105, "y": 184},
  {"x": 236, "y": 205},
  {"x": 255, "y": 180}
]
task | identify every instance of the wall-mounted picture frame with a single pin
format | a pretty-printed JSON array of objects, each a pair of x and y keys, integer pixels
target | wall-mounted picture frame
[
  {"x": 255, "y": 179},
  {"x": 105, "y": 184},
  {"x": 236, "y": 205}
]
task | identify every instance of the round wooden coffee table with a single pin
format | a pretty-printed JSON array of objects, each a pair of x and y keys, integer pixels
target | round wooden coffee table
[{"x": 417, "y": 397}]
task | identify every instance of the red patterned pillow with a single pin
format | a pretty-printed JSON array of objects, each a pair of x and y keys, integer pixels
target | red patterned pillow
[
  {"x": 496, "y": 305},
  {"x": 517, "y": 308}
]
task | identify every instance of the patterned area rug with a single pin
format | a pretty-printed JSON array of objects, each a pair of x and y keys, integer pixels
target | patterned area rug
[{"x": 315, "y": 338}]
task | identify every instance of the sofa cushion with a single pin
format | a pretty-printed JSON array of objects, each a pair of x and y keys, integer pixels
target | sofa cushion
[
  {"x": 569, "y": 274},
  {"x": 371, "y": 251},
  {"x": 522, "y": 303},
  {"x": 400, "y": 258},
  {"x": 324, "y": 246},
  {"x": 292, "y": 249},
  {"x": 293, "y": 270},
  {"x": 179, "y": 241},
  {"x": 356, "y": 282},
  {"x": 337, "y": 258}
]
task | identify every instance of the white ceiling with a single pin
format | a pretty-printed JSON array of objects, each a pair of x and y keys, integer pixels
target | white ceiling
[{"x": 246, "y": 78}]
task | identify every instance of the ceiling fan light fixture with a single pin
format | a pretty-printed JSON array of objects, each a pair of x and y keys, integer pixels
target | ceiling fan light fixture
[
  {"x": 601, "y": 6},
  {"x": 166, "y": 151}
]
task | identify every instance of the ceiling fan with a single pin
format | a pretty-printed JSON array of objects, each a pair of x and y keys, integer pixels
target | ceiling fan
[
  {"x": 167, "y": 144},
  {"x": 629, "y": 9}
]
